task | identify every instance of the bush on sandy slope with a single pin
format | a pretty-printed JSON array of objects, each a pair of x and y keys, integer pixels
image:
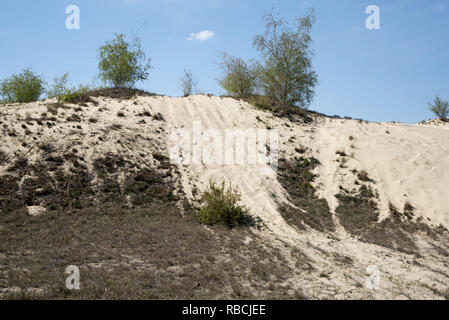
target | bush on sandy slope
[
  {"x": 286, "y": 73},
  {"x": 64, "y": 91},
  {"x": 188, "y": 84},
  {"x": 59, "y": 87},
  {"x": 74, "y": 94},
  {"x": 221, "y": 205},
  {"x": 122, "y": 64},
  {"x": 22, "y": 87},
  {"x": 238, "y": 79},
  {"x": 440, "y": 108}
]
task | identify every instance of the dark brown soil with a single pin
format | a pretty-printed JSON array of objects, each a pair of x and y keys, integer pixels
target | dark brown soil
[
  {"x": 150, "y": 253},
  {"x": 357, "y": 212},
  {"x": 296, "y": 177},
  {"x": 3, "y": 158},
  {"x": 45, "y": 182},
  {"x": 114, "y": 93},
  {"x": 359, "y": 215}
]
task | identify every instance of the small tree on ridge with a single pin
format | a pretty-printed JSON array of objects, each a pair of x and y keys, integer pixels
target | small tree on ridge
[
  {"x": 122, "y": 64},
  {"x": 440, "y": 108},
  {"x": 286, "y": 73},
  {"x": 188, "y": 84}
]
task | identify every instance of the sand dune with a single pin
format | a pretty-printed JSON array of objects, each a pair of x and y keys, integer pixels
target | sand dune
[
  {"x": 405, "y": 164},
  {"x": 408, "y": 163}
]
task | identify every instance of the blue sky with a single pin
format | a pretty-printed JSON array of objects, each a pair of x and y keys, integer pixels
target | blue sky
[{"x": 379, "y": 75}]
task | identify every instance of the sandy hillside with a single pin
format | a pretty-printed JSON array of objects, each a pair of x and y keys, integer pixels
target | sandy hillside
[
  {"x": 378, "y": 194},
  {"x": 408, "y": 163}
]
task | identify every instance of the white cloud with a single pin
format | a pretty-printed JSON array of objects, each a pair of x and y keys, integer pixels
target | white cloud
[{"x": 201, "y": 36}]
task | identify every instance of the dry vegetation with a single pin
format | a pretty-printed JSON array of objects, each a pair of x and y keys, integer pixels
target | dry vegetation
[
  {"x": 150, "y": 253},
  {"x": 359, "y": 215},
  {"x": 116, "y": 208},
  {"x": 306, "y": 208}
]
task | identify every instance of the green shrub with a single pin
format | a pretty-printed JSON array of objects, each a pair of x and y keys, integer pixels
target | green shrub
[
  {"x": 122, "y": 64},
  {"x": 64, "y": 91},
  {"x": 221, "y": 205},
  {"x": 238, "y": 79},
  {"x": 59, "y": 87},
  {"x": 440, "y": 108},
  {"x": 74, "y": 94},
  {"x": 262, "y": 102},
  {"x": 23, "y": 87}
]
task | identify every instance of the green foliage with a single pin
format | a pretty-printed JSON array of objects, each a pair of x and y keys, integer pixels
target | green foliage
[
  {"x": 286, "y": 74},
  {"x": 22, "y": 87},
  {"x": 262, "y": 102},
  {"x": 122, "y": 64},
  {"x": 74, "y": 93},
  {"x": 188, "y": 84},
  {"x": 238, "y": 79},
  {"x": 221, "y": 205},
  {"x": 59, "y": 87},
  {"x": 64, "y": 91},
  {"x": 440, "y": 108}
]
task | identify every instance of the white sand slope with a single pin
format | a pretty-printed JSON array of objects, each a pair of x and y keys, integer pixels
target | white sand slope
[{"x": 407, "y": 163}]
